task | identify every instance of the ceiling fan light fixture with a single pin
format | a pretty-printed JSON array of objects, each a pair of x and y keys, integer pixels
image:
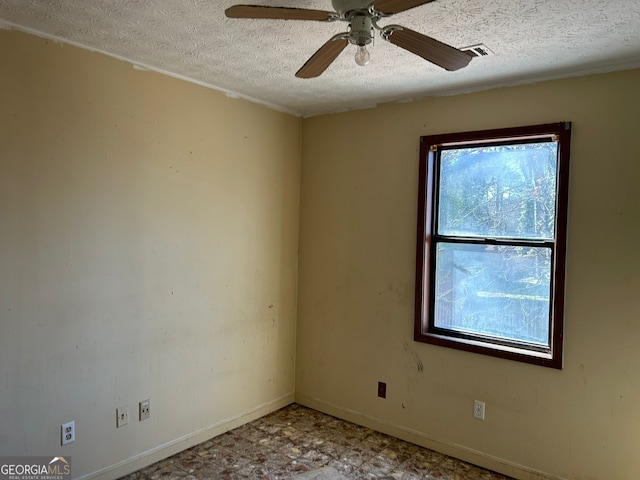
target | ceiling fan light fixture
[
  {"x": 361, "y": 35},
  {"x": 361, "y": 30}
]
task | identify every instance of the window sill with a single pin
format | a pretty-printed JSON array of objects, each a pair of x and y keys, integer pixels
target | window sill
[{"x": 494, "y": 350}]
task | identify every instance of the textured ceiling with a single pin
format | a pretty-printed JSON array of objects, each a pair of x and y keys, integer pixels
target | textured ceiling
[{"x": 257, "y": 59}]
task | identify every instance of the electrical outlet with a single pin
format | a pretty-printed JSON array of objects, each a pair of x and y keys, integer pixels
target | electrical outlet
[
  {"x": 144, "y": 409},
  {"x": 382, "y": 390},
  {"x": 478, "y": 409},
  {"x": 122, "y": 416},
  {"x": 67, "y": 433}
]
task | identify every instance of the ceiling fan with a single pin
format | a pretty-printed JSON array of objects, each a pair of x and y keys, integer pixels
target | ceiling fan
[{"x": 362, "y": 16}]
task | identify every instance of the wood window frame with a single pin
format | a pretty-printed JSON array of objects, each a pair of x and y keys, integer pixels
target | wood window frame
[{"x": 424, "y": 330}]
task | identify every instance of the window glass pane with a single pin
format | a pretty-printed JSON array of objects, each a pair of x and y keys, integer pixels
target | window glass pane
[
  {"x": 497, "y": 291},
  {"x": 498, "y": 191}
]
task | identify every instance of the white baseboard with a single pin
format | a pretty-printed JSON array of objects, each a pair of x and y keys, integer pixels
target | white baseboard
[
  {"x": 165, "y": 450},
  {"x": 419, "y": 438}
]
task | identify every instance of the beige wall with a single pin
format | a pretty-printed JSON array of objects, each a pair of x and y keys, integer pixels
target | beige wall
[
  {"x": 356, "y": 287},
  {"x": 148, "y": 249}
]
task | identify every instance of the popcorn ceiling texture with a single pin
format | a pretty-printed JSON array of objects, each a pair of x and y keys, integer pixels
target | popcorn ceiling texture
[{"x": 257, "y": 59}]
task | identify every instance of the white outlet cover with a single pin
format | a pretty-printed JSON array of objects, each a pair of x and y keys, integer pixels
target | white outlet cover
[
  {"x": 478, "y": 409},
  {"x": 67, "y": 433},
  {"x": 144, "y": 410},
  {"x": 122, "y": 416}
]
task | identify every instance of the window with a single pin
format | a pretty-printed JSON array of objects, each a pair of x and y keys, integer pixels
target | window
[{"x": 492, "y": 214}]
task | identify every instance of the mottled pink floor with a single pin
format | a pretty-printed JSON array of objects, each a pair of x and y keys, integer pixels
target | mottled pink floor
[{"x": 295, "y": 440}]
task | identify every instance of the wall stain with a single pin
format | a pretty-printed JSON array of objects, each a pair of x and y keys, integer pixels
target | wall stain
[
  {"x": 583, "y": 375},
  {"x": 416, "y": 358}
]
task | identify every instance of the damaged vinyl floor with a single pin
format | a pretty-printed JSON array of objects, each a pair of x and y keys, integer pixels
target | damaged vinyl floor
[{"x": 295, "y": 440}]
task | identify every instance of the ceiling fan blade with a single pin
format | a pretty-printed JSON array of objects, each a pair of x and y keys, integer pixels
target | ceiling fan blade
[
  {"x": 278, "y": 13},
  {"x": 389, "y": 7},
  {"x": 325, "y": 55},
  {"x": 430, "y": 49}
]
